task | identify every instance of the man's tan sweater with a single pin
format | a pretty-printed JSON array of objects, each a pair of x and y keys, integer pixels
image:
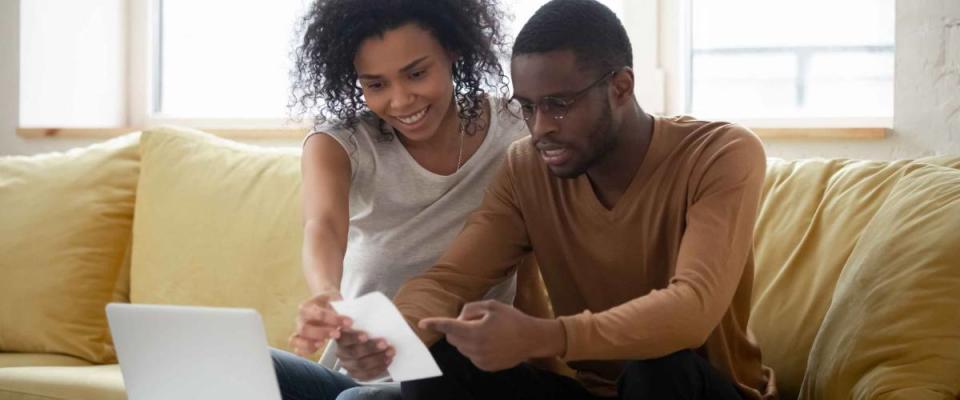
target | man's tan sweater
[{"x": 668, "y": 268}]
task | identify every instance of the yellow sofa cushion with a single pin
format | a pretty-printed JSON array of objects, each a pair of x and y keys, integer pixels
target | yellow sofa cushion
[
  {"x": 811, "y": 217},
  {"x": 100, "y": 382},
  {"x": 893, "y": 329},
  {"x": 39, "y": 360},
  {"x": 66, "y": 227},
  {"x": 218, "y": 223}
]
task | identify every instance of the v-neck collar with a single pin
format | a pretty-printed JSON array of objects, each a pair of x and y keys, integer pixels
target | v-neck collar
[{"x": 656, "y": 151}]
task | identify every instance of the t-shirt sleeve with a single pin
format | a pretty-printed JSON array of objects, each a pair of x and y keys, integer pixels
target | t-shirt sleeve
[
  {"x": 347, "y": 139},
  {"x": 493, "y": 241},
  {"x": 714, "y": 249}
]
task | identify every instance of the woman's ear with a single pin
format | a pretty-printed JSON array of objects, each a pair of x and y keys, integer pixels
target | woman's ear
[{"x": 453, "y": 57}]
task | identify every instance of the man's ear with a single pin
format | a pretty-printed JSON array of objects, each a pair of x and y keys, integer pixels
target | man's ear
[{"x": 622, "y": 83}]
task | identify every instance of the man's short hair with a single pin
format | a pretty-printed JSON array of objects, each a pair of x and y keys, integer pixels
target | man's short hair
[{"x": 588, "y": 28}]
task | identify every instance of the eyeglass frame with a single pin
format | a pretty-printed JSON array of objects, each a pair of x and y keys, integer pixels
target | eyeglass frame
[{"x": 565, "y": 102}]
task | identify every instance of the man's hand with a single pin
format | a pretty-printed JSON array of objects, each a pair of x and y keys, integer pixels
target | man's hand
[
  {"x": 316, "y": 323},
  {"x": 362, "y": 357},
  {"x": 495, "y": 336}
]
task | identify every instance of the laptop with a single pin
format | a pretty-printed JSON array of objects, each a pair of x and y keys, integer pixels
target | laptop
[{"x": 181, "y": 352}]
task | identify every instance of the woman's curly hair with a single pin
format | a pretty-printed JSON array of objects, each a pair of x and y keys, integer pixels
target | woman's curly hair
[{"x": 324, "y": 77}]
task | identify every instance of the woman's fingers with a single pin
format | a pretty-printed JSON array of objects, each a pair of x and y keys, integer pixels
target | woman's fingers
[
  {"x": 320, "y": 323},
  {"x": 317, "y": 322},
  {"x": 304, "y": 347}
]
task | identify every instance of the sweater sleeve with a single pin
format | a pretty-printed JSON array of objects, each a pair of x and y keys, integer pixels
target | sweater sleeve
[
  {"x": 714, "y": 249},
  {"x": 492, "y": 243}
]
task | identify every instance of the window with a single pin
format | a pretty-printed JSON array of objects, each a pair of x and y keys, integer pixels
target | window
[
  {"x": 240, "y": 69},
  {"x": 71, "y": 63},
  {"x": 789, "y": 59},
  {"x": 223, "y": 59},
  {"x": 209, "y": 64},
  {"x": 522, "y": 10}
]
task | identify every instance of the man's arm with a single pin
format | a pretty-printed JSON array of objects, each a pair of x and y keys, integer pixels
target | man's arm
[
  {"x": 713, "y": 252},
  {"x": 493, "y": 241}
]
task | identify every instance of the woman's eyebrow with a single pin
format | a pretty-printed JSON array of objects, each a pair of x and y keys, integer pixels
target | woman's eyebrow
[{"x": 405, "y": 68}]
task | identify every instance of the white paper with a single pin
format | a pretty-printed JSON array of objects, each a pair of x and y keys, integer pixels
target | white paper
[{"x": 376, "y": 315}]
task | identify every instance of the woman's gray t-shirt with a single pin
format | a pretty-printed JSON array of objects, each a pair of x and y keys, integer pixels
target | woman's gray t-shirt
[{"x": 402, "y": 216}]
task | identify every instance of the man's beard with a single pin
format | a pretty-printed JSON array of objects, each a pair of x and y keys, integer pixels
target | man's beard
[{"x": 602, "y": 142}]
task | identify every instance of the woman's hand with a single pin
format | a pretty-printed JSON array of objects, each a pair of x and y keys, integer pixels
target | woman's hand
[{"x": 317, "y": 322}]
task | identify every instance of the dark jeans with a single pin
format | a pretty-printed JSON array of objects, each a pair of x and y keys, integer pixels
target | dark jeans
[
  {"x": 302, "y": 379},
  {"x": 681, "y": 375}
]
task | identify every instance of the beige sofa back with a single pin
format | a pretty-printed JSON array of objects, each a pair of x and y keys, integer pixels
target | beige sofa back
[
  {"x": 825, "y": 229},
  {"x": 217, "y": 223}
]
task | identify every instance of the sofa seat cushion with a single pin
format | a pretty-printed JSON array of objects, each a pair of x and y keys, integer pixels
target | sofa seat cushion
[
  {"x": 39, "y": 360},
  {"x": 100, "y": 382},
  {"x": 219, "y": 224}
]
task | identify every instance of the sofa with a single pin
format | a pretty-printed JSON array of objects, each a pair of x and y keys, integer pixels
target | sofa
[{"x": 857, "y": 289}]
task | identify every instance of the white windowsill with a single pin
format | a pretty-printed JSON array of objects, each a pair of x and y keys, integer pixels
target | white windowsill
[{"x": 859, "y": 133}]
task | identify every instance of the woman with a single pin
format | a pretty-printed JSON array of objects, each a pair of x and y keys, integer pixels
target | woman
[{"x": 407, "y": 142}]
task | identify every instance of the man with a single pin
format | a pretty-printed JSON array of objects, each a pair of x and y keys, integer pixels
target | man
[{"x": 642, "y": 226}]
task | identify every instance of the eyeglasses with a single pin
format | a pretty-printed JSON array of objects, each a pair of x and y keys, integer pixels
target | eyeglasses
[{"x": 556, "y": 107}]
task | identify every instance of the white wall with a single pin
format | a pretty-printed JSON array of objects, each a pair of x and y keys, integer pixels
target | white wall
[
  {"x": 927, "y": 91},
  {"x": 928, "y": 103},
  {"x": 9, "y": 74}
]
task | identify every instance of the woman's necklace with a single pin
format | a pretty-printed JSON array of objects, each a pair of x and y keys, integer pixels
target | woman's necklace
[{"x": 460, "y": 153}]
